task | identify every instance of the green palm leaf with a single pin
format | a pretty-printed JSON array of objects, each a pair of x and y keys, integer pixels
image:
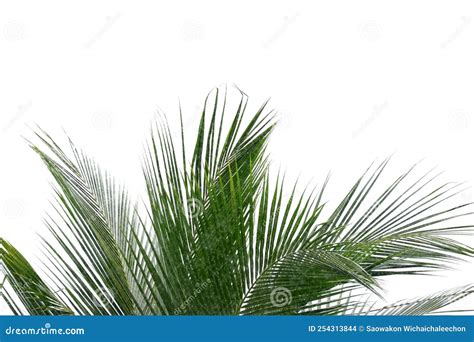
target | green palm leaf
[
  {"x": 218, "y": 235},
  {"x": 22, "y": 281},
  {"x": 424, "y": 305}
]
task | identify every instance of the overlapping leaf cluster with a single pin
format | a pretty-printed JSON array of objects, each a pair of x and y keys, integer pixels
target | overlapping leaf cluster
[{"x": 217, "y": 217}]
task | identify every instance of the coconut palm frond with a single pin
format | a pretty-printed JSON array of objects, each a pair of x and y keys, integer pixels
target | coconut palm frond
[
  {"x": 409, "y": 233},
  {"x": 424, "y": 305},
  {"x": 218, "y": 234},
  {"x": 91, "y": 235},
  {"x": 23, "y": 289}
]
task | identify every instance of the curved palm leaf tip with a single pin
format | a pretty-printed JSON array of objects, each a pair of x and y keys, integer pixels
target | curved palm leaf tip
[{"x": 218, "y": 236}]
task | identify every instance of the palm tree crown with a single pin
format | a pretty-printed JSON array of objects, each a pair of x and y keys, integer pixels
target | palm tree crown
[{"x": 219, "y": 236}]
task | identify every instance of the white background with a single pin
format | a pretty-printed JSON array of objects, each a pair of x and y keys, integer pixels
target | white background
[{"x": 353, "y": 81}]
